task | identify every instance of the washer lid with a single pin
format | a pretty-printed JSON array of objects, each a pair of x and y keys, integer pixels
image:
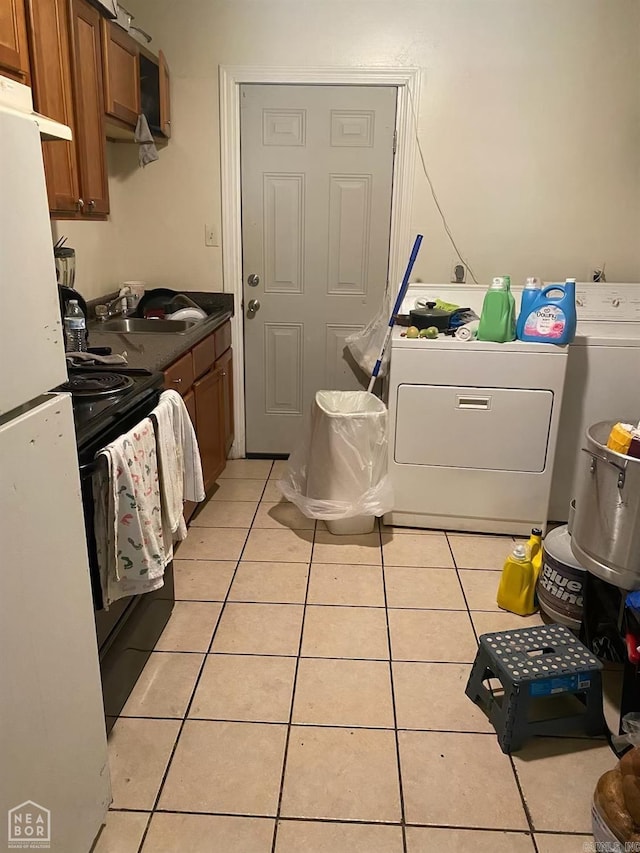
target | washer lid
[
  {"x": 450, "y": 343},
  {"x": 557, "y": 544}
]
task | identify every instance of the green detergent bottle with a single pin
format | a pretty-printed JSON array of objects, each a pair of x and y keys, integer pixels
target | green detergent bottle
[{"x": 498, "y": 318}]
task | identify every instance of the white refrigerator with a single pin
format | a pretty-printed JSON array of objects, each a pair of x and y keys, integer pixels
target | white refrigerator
[{"x": 54, "y": 778}]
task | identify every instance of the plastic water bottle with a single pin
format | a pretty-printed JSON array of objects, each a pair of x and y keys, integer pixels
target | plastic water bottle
[{"x": 75, "y": 328}]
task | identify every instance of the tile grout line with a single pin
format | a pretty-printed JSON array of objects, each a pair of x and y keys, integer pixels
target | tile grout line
[
  {"x": 393, "y": 698},
  {"x": 464, "y": 594},
  {"x": 196, "y": 684},
  {"x": 511, "y": 762},
  {"x": 525, "y": 806},
  {"x": 355, "y": 822},
  {"x": 293, "y": 696}
]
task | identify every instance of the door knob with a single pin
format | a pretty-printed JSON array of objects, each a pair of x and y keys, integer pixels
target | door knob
[
  {"x": 252, "y": 307},
  {"x": 253, "y": 280}
]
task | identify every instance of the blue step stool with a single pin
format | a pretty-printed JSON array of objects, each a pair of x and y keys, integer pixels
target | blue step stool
[{"x": 532, "y": 664}]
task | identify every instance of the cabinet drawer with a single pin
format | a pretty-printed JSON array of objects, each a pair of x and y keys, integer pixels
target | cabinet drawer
[
  {"x": 180, "y": 375},
  {"x": 223, "y": 339},
  {"x": 204, "y": 354},
  {"x": 497, "y": 429}
]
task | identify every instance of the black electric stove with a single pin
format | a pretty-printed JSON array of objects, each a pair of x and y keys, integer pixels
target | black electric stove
[
  {"x": 108, "y": 402},
  {"x": 103, "y": 397}
]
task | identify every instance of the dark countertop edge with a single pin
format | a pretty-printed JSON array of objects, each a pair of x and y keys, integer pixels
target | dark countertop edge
[{"x": 162, "y": 350}]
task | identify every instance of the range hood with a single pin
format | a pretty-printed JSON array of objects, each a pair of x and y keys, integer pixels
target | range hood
[{"x": 16, "y": 98}]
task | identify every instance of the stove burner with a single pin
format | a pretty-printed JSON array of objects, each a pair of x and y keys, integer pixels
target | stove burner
[{"x": 97, "y": 384}]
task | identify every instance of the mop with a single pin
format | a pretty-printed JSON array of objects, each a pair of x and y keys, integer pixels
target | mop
[{"x": 396, "y": 310}]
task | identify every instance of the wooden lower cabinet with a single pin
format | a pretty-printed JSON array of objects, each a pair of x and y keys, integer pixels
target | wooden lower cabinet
[
  {"x": 225, "y": 363},
  {"x": 203, "y": 376},
  {"x": 190, "y": 403},
  {"x": 210, "y": 424}
]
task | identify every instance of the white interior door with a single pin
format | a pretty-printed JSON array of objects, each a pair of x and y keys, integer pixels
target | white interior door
[{"x": 317, "y": 171}]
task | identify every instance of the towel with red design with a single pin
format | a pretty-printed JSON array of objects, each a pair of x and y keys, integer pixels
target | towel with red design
[{"x": 132, "y": 543}]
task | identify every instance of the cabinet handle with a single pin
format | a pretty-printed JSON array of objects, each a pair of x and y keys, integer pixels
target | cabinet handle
[
  {"x": 92, "y": 204},
  {"x": 224, "y": 372},
  {"x": 80, "y": 203},
  {"x": 177, "y": 381}
]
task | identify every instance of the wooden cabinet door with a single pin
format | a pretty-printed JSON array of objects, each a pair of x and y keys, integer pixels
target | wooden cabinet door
[
  {"x": 52, "y": 94},
  {"x": 14, "y": 49},
  {"x": 89, "y": 101},
  {"x": 121, "y": 73},
  {"x": 190, "y": 403},
  {"x": 165, "y": 95},
  {"x": 209, "y": 425},
  {"x": 225, "y": 364}
]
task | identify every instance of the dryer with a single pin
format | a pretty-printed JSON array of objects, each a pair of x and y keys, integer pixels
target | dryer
[{"x": 473, "y": 430}]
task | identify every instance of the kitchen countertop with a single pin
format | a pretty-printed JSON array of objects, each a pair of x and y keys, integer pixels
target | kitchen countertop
[{"x": 156, "y": 350}]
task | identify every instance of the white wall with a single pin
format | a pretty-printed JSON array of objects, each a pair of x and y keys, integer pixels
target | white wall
[
  {"x": 101, "y": 246},
  {"x": 529, "y": 119}
]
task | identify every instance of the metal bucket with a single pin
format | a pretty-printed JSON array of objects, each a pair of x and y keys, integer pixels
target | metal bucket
[
  {"x": 606, "y": 529},
  {"x": 561, "y": 581}
]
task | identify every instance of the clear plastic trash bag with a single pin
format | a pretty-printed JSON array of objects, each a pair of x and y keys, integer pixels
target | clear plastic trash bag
[
  {"x": 365, "y": 345},
  {"x": 339, "y": 469}
]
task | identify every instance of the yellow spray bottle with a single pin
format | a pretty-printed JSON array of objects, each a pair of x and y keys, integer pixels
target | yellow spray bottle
[{"x": 517, "y": 589}]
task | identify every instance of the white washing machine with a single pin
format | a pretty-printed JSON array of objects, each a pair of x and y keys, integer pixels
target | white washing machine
[
  {"x": 473, "y": 428},
  {"x": 603, "y": 378}
]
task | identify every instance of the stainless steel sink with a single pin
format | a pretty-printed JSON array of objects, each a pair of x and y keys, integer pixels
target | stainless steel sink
[{"x": 129, "y": 325}]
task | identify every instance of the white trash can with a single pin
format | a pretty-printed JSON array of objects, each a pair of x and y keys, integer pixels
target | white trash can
[{"x": 340, "y": 472}]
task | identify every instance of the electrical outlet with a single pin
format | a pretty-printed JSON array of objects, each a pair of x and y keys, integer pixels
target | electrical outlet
[
  {"x": 458, "y": 272},
  {"x": 210, "y": 235}
]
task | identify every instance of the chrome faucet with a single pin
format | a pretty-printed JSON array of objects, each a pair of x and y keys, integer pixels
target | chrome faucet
[{"x": 119, "y": 305}]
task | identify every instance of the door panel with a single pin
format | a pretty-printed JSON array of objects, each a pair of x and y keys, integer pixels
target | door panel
[
  {"x": 317, "y": 169},
  {"x": 51, "y": 65},
  {"x": 90, "y": 108},
  {"x": 121, "y": 73},
  {"x": 165, "y": 95},
  {"x": 466, "y": 427},
  {"x": 14, "y": 52},
  {"x": 284, "y": 233},
  {"x": 190, "y": 403},
  {"x": 209, "y": 425},
  {"x": 349, "y": 228},
  {"x": 283, "y": 368}
]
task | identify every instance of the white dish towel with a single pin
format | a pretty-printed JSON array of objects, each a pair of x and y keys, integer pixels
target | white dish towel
[
  {"x": 180, "y": 465},
  {"x": 132, "y": 545}
]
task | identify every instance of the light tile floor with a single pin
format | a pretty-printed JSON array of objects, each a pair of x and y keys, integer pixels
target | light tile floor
[{"x": 307, "y": 696}]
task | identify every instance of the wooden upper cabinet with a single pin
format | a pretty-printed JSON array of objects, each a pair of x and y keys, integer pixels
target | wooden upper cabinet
[
  {"x": 51, "y": 72},
  {"x": 121, "y": 73},
  {"x": 14, "y": 48},
  {"x": 89, "y": 102},
  {"x": 165, "y": 95}
]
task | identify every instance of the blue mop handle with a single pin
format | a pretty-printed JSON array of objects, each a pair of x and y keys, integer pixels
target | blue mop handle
[
  {"x": 398, "y": 305},
  {"x": 405, "y": 281}
]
